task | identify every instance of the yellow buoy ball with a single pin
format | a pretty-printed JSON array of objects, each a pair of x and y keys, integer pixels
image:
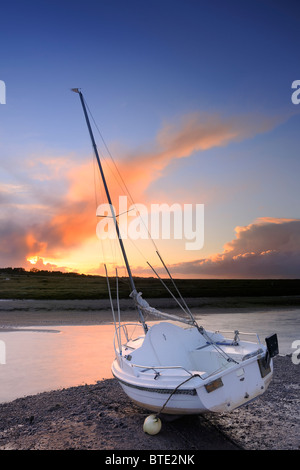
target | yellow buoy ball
[{"x": 152, "y": 425}]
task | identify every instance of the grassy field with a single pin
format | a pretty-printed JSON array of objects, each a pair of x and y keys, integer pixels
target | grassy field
[{"x": 59, "y": 286}]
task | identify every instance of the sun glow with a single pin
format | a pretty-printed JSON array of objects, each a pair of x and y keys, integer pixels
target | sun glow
[{"x": 33, "y": 259}]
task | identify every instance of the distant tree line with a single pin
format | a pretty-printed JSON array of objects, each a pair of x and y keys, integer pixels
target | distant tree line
[{"x": 10, "y": 270}]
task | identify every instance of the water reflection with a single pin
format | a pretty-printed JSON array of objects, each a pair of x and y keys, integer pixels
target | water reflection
[
  {"x": 42, "y": 359},
  {"x": 286, "y": 323},
  {"x": 39, "y": 361}
]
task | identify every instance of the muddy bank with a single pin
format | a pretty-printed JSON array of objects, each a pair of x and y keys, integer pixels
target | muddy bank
[
  {"x": 94, "y": 312},
  {"x": 100, "y": 417}
]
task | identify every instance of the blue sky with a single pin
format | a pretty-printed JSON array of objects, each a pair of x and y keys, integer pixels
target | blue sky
[{"x": 147, "y": 69}]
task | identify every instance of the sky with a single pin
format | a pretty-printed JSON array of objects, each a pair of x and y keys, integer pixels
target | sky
[{"x": 191, "y": 104}]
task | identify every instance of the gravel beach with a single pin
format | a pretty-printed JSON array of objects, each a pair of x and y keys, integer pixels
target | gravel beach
[{"x": 101, "y": 417}]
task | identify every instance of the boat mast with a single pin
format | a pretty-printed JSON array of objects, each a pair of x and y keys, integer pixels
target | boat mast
[{"x": 132, "y": 284}]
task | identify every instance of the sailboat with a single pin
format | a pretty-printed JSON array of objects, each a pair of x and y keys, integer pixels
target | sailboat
[{"x": 175, "y": 366}]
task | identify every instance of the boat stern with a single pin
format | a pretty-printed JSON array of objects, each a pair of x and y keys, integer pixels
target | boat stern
[{"x": 240, "y": 384}]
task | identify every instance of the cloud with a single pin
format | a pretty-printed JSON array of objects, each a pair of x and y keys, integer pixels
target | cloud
[
  {"x": 192, "y": 133},
  {"x": 40, "y": 264},
  {"x": 57, "y": 210},
  {"x": 267, "y": 248},
  {"x": 13, "y": 244}
]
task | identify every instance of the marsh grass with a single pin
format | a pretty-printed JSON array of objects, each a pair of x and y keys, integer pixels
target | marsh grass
[{"x": 66, "y": 286}]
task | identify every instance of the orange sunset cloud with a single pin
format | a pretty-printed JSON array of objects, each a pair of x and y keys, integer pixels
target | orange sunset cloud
[
  {"x": 192, "y": 133},
  {"x": 69, "y": 218},
  {"x": 74, "y": 221},
  {"x": 269, "y": 247}
]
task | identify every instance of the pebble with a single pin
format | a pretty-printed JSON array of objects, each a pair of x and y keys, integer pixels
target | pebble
[{"x": 101, "y": 417}]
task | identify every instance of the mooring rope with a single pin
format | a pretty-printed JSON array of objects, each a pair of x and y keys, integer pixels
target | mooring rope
[{"x": 175, "y": 390}]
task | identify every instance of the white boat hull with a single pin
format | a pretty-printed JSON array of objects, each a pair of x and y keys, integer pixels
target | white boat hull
[
  {"x": 197, "y": 400},
  {"x": 175, "y": 370},
  {"x": 176, "y": 389}
]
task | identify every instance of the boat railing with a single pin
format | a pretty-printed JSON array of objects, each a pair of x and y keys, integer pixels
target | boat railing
[
  {"x": 143, "y": 368},
  {"x": 237, "y": 333},
  {"x": 121, "y": 333}
]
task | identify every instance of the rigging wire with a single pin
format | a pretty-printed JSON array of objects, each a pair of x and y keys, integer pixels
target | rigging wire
[
  {"x": 125, "y": 189},
  {"x": 101, "y": 242},
  {"x": 119, "y": 313},
  {"x": 120, "y": 176},
  {"x": 166, "y": 287},
  {"x": 200, "y": 328},
  {"x": 112, "y": 308},
  {"x": 110, "y": 155},
  {"x": 177, "y": 290}
]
